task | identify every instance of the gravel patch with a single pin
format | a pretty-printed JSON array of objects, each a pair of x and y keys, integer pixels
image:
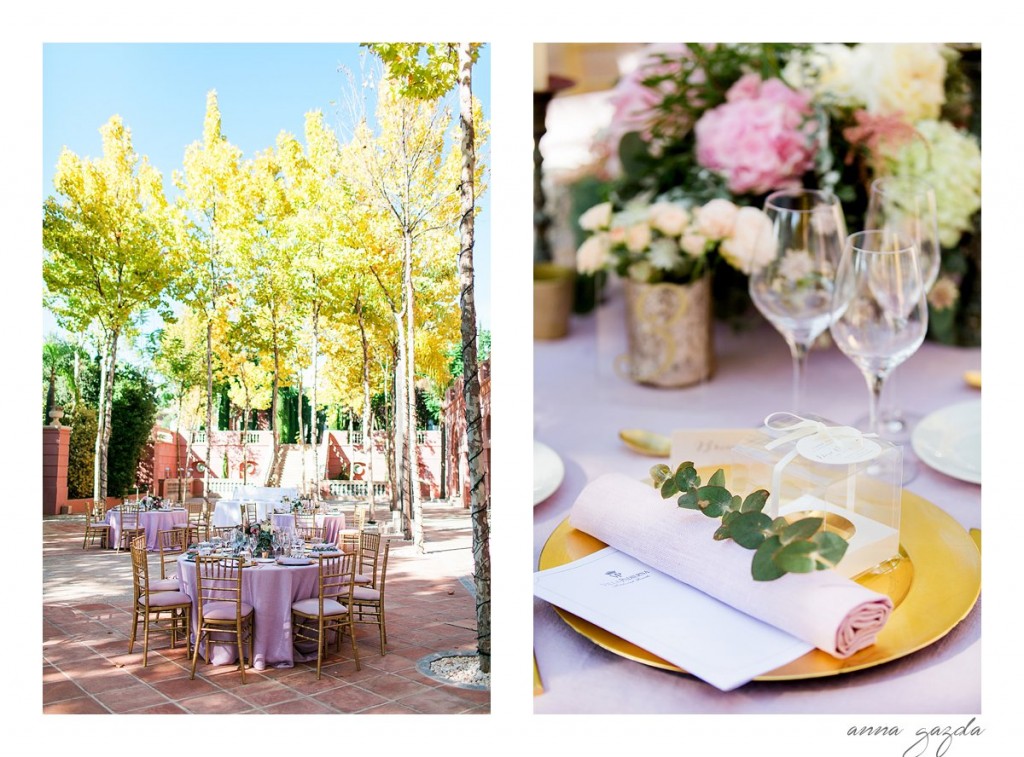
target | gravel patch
[{"x": 456, "y": 669}]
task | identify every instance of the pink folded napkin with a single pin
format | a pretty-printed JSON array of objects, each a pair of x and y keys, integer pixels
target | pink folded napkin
[{"x": 833, "y": 613}]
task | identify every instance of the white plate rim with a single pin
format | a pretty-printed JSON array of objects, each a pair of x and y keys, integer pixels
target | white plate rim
[
  {"x": 926, "y": 454},
  {"x": 548, "y": 472}
]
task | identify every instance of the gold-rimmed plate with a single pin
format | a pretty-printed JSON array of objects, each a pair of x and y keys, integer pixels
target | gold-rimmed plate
[{"x": 934, "y": 587}]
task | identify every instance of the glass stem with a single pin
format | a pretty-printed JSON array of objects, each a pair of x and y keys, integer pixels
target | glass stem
[
  {"x": 799, "y": 371},
  {"x": 875, "y": 383}
]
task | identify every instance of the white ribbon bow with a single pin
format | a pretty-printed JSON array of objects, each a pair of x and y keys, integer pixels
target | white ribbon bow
[{"x": 803, "y": 427}]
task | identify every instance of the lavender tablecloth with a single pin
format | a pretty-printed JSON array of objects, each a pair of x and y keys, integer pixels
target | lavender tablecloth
[
  {"x": 154, "y": 521},
  {"x": 270, "y": 589},
  {"x": 333, "y": 524},
  {"x": 580, "y": 404}
]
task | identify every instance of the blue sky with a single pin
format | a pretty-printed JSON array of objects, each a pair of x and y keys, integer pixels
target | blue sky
[{"x": 160, "y": 90}]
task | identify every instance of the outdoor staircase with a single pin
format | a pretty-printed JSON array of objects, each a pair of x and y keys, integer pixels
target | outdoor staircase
[{"x": 287, "y": 467}]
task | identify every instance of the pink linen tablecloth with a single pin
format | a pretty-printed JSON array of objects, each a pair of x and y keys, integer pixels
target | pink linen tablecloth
[
  {"x": 270, "y": 589},
  {"x": 580, "y": 405},
  {"x": 154, "y": 521},
  {"x": 333, "y": 524}
]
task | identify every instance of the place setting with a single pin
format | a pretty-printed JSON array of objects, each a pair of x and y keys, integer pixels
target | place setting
[{"x": 740, "y": 520}]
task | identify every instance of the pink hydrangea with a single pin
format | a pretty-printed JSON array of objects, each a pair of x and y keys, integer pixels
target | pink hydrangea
[
  {"x": 760, "y": 139},
  {"x": 636, "y": 105}
]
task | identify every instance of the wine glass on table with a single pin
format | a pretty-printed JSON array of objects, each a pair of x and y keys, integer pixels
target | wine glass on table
[
  {"x": 793, "y": 290},
  {"x": 881, "y": 315},
  {"x": 906, "y": 206}
]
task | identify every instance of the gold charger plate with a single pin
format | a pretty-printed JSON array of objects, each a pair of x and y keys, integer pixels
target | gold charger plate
[{"x": 934, "y": 587}]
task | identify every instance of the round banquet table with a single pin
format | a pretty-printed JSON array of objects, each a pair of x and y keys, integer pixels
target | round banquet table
[
  {"x": 154, "y": 521},
  {"x": 271, "y": 589},
  {"x": 580, "y": 405},
  {"x": 333, "y": 524}
]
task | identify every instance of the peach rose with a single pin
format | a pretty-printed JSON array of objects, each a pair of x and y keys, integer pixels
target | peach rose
[
  {"x": 669, "y": 218},
  {"x": 716, "y": 219},
  {"x": 752, "y": 243}
]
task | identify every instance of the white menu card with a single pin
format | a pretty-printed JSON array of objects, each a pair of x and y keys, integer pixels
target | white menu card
[{"x": 668, "y": 618}]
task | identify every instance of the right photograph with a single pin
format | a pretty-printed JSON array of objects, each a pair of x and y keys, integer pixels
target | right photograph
[{"x": 757, "y": 378}]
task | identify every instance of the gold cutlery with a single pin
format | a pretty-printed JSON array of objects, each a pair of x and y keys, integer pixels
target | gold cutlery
[
  {"x": 646, "y": 442},
  {"x": 538, "y": 687},
  {"x": 973, "y": 379}
]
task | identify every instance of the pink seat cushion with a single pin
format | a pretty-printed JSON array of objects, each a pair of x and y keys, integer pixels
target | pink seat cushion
[
  {"x": 312, "y": 607},
  {"x": 362, "y": 592},
  {"x": 363, "y": 579},
  {"x": 163, "y": 584},
  {"x": 168, "y": 598},
  {"x": 223, "y": 610}
]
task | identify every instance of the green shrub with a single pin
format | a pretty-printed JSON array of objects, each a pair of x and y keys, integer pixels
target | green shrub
[{"x": 82, "y": 452}]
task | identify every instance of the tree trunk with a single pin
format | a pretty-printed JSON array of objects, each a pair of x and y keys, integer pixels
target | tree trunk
[
  {"x": 479, "y": 499},
  {"x": 106, "y": 404},
  {"x": 367, "y": 430},
  {"x": 302, "y": 441},
  {"x": 312, "y": 412},
  {"x": 411, "y": 457},
  {"x": 209, "y": 411}
]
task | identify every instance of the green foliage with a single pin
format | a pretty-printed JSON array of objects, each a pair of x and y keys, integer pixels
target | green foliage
[
  {"x": 483, "y": 352},
  {"x": 423, "y": 70},
  {"x": 81, "y": 452},
  {"x": 781, "y": 547},
  {"x": 133, "y": 414}
]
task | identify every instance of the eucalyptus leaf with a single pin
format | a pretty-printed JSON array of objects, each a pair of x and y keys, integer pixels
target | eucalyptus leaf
[
  {"x": 689, "y": 501},
  {"x": 763, "y": 567},
  {"x": 713, "y": 500},
  {"x": 686, "y": 477},
  {"x": 831, "y": 548},
  {"x": 722, "y": 533},
  {"x": 718, "y": 479},
  {"x": 729, "y": 517},
  {"x": 755, "y": 501},
  {"x": 668, "y": 488},
  {"x": 779, "y": 525},
  {"x": 749, "y": 529},
  {"x": 736, "y": 503},
  {"x": 804, "y": 528},
  {"x": 797, "y": 557},
  {"x": 660, "y": 473}
]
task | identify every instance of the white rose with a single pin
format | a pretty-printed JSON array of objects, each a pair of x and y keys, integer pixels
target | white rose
[
  {"x": 905, "y": 78},
  {"x": 669, "y": 218},
  {"x": 752, "y": 243},
  {"x": 638, "y": 237},
  {"x": 715, "y": 220},
  {"x": 664, "y": 254},
  {"x": 831, "y": 71},
  {"x": 593, "y": 254},
  {"x": 693, "y": 243},
  {"x": 597, "y": 217}
]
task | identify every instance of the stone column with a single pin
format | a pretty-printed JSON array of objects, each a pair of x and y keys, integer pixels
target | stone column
[{"x": 56, "y": 442}]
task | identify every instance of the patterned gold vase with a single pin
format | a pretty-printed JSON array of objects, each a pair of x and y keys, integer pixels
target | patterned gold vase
[{"x": 669, "y": 332}]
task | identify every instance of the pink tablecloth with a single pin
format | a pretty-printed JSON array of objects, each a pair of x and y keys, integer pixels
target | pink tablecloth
[
  {"x": 154, "y": 521},
  {"x": 333, "y": 524},
  {"x": 271, "y": 590}
]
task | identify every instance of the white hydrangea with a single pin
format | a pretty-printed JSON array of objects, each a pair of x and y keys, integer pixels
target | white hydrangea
[
  {"x": 664, "y": 254},
  {"x": 951, "y": 163}
]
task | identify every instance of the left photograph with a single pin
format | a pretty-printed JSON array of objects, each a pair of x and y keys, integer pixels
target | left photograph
[{"x": 266, "y": 378}]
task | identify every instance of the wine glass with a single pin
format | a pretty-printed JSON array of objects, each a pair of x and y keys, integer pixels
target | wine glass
[
  {"x": 879, "y": 305},
  {"x": 905, "y": 205},
  {"x": 794, "y": 289}
]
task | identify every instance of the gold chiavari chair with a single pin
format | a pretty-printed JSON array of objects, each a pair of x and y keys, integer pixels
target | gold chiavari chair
[
  {"x": 307, "y": 529},
  {"x": 150, "y": 605},
  {"x": 173, "y": 543},
  {"x": 369, "y": 553},
  {"x": 198, "y": 522},
  {"x": 220, "y": 608},
  {"x": 249, "y": 514},
  {"x": 96, "y": 526},
  {"x": 368, "y": 603},
  {"x": 330, "y": 611},
  {"x": 128, "y": 517}
]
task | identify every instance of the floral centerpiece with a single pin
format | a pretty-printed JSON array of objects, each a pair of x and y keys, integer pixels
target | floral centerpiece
[
  {"x": 264, "y": 533},
  {"x": 737, "y": 121},
  {"x": 151, "y": 502}
]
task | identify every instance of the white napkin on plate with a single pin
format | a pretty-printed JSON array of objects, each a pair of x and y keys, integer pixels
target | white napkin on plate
[{"x": 833, "y": 613}]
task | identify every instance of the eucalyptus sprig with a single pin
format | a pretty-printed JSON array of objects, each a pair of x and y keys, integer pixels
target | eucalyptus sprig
[{"x": 781, "y": 547}]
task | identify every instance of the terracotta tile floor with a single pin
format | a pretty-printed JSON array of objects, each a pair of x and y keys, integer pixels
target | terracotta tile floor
[{"x": 87, "y": 621}]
